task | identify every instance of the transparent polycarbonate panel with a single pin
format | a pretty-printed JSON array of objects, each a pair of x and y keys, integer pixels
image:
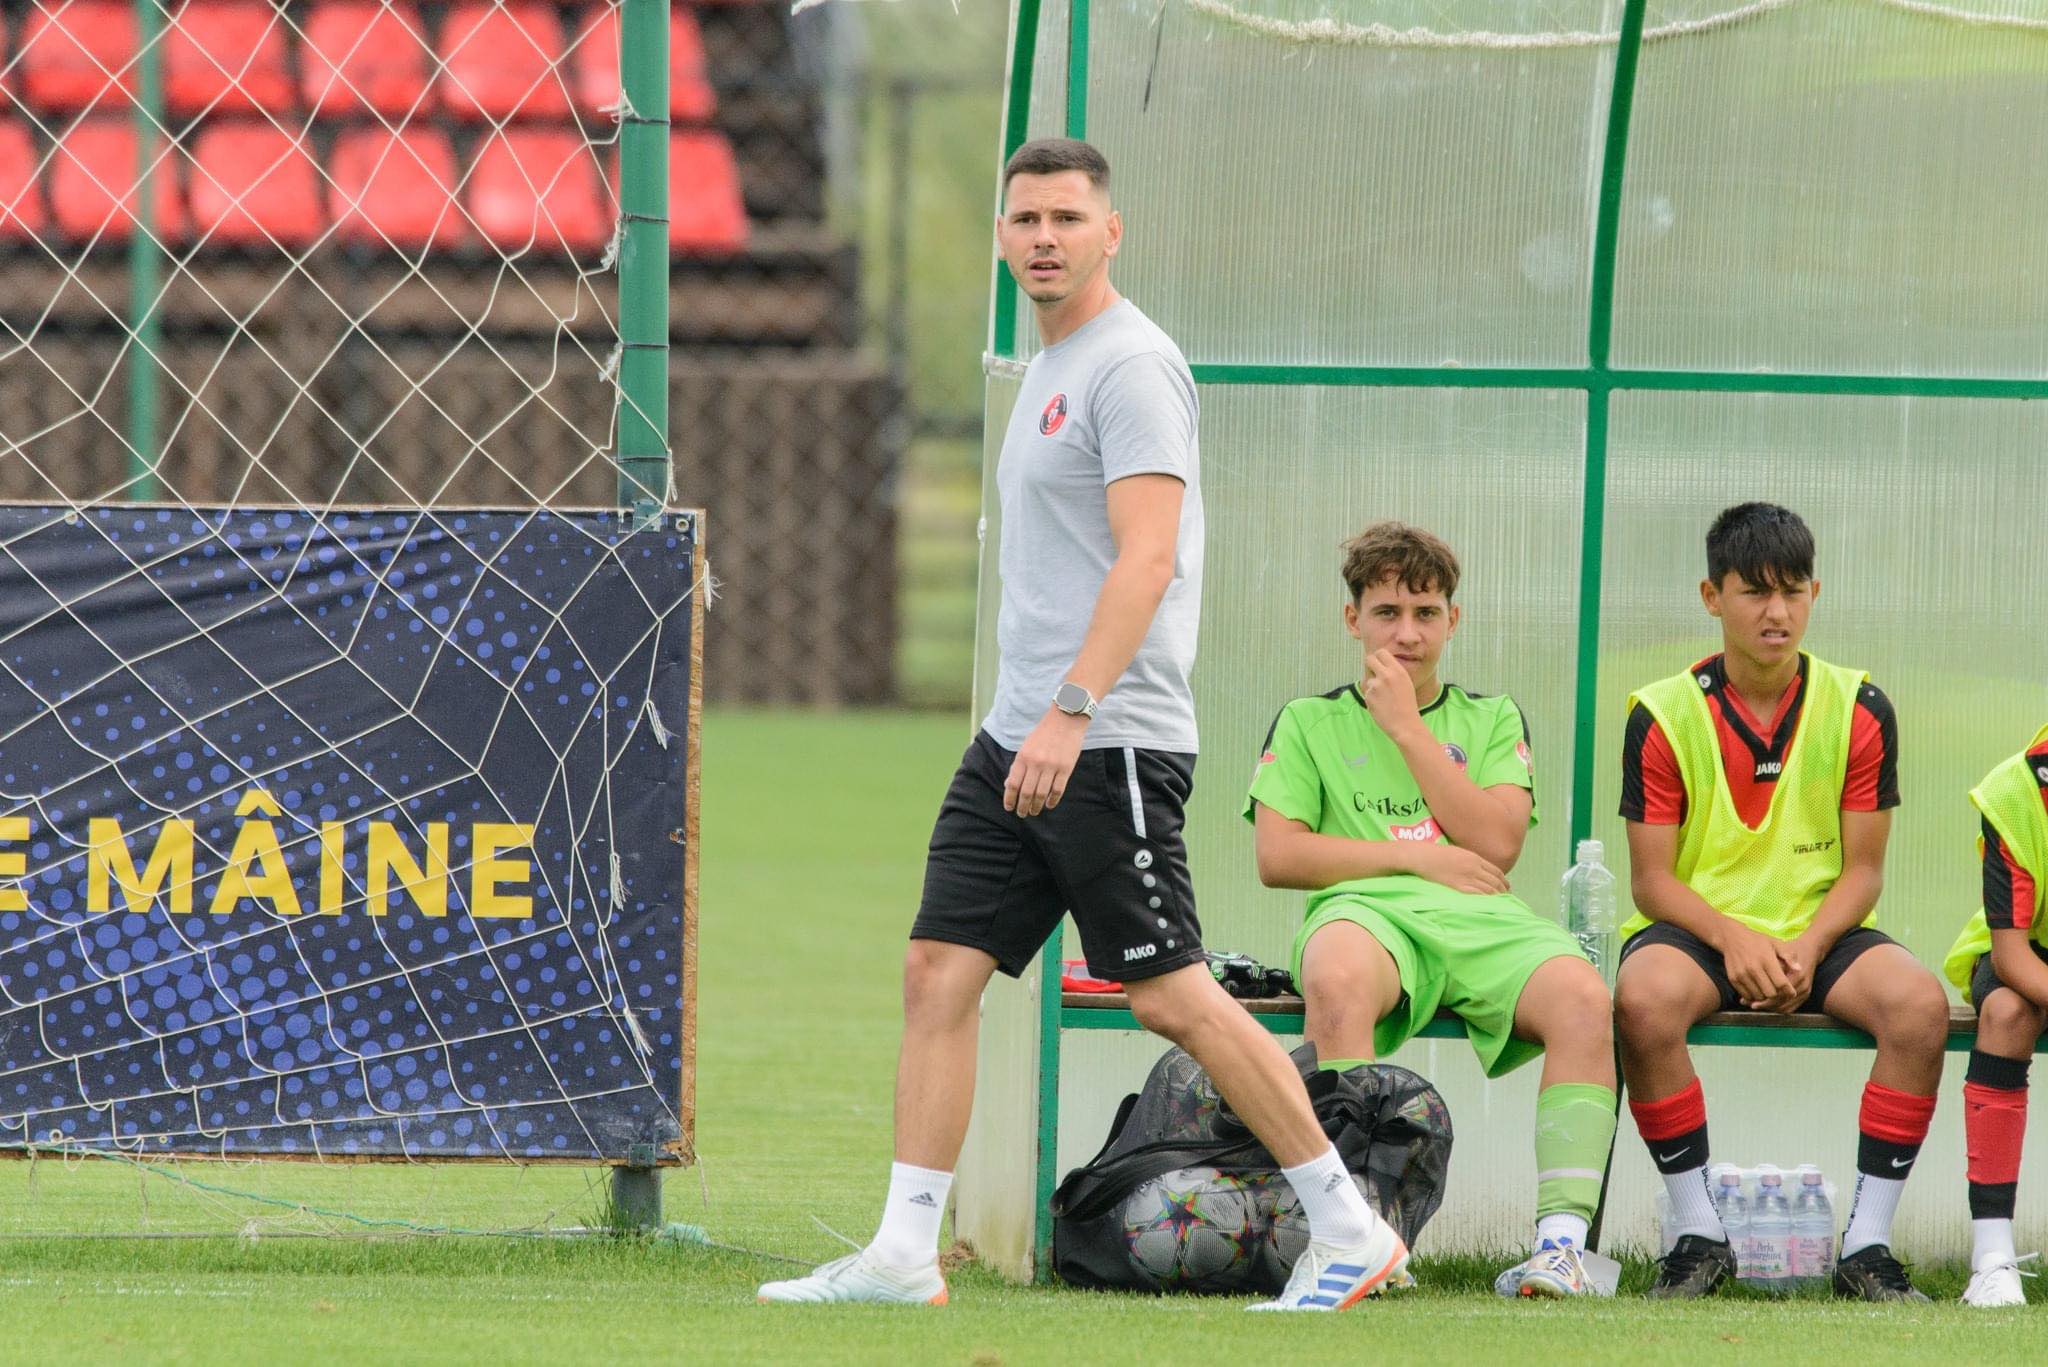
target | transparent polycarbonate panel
[
  {"x": 1000, "y": 398},
  {"x": 1838, "y": 187},
  {"x": 995, "y": 1195},
  {"x": 1048, "y": 71},
  {"x": 1289, "y": 473},
  {"x": 1926, "y": 515},
  {"x": 1047, "y": 119},
  {"x": 1324, "y": 204}
]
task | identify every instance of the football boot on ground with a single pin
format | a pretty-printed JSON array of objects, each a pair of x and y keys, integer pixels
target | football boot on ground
[
  {"x": 1873, "y": 1274},
  {"x": 1336, "y": 1277},
  {"x": 1696, "y": 1266},
  {"x": 1998, "y": 1285},
  {"x": 1552, "y": 1273},
  {"x": 860, "y": 1277}
]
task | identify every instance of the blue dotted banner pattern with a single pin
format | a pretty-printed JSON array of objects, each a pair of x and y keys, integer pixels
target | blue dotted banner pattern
[{"x": 228, "y": 727}]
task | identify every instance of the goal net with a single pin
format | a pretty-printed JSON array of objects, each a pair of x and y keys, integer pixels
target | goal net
[{"x": 348, "y": 670}]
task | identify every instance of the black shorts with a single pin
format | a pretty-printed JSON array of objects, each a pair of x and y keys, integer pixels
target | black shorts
[
  {"x": 1833, "y": 964},
  {"x": 1111, "y": 853},
  {"x": 1984, "y": 979}
]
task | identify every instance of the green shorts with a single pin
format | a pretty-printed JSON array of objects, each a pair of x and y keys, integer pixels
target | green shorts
[{"x": 1472, "y": 954}]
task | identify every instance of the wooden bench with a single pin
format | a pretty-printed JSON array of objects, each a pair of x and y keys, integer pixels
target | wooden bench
[{"x": 1798, "y": 1030}]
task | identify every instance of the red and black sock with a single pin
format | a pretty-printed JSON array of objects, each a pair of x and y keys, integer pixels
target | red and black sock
[
  {"x": 1891, "y": 1126},
  {"x": 1995, "y": 1126},
  {"x": 1675, "y": 1128}
]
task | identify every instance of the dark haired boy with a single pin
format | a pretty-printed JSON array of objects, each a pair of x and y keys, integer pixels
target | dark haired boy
[
  {"x": 1399, "y": 804},
  {"x": 1758, "y": 787}
]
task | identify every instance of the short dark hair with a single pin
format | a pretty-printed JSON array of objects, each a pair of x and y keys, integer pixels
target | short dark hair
[
  {"x": 1050, "y": 156},
  {"x": 1769, "y": 546},
  {"x": 1422, "y": 562}
]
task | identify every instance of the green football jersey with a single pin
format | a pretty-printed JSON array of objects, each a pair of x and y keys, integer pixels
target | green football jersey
[{"x": 1327, "y": 764}]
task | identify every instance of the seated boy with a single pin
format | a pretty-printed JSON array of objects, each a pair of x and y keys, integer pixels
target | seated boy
[
  {"x": 2001, "y": 963},
  {"x": 1399, "y": 804},
  {"x": 1758, "y": 788}
]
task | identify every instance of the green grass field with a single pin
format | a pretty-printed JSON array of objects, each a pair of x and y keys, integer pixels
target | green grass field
[{"x": 813, "y": 831}]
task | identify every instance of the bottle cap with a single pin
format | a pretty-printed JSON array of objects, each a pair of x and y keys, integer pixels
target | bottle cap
[
  {"x": 1591, "y": 852},
  {"x": 1809, "y": 1175}
]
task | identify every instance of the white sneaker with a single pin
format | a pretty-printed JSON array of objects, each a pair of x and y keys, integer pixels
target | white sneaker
[
  {"x": 1553, "y": 1272},
  {"x": 1332, "y": 1277},
  {"x": 1998, "y": 1285},
  {"x": 860, "y": 1277}
]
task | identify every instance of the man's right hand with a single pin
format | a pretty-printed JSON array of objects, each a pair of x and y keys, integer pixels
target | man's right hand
[
  {"x": 1751, "y": 960},
  {"x": 1458, "y": 870}
]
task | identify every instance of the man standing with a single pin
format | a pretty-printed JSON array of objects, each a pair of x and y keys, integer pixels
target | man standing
[{"x": 1072, "y": 795}]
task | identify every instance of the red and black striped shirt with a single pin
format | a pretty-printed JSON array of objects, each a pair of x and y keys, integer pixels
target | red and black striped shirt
[{"x": 1753, "y": 755}]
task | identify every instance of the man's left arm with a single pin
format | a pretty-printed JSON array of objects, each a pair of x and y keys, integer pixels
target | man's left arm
[{"x": 1144, "y": 521}]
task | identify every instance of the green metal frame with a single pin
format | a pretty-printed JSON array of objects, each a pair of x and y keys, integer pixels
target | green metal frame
[
  {"x": 1597, "y": 379},
  {"x": 642, "y": 428},
  {"x": 145, "y": 256}
]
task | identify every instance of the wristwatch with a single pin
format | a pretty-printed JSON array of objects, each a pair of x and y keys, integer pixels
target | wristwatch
[{"x": 1074, "y": 700}]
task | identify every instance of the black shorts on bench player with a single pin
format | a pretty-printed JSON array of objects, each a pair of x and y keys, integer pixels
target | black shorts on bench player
[{"x": 1758, "y": 787}]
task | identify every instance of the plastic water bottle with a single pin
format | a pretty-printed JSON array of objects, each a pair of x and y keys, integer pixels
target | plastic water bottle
[
  {"x": 1733, "y": 1208},
  {"x": 1770, "y": 1233},
  {"x": 1586, "y": 906},
  {"x": 1813, "y": 1231}
]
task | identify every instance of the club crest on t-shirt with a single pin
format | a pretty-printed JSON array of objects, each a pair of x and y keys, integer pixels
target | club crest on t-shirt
[
  {"x": 1457, "y": 754},
  {"x": 1054, "y": 416}
]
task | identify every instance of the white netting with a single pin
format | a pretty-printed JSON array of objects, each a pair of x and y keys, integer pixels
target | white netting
[
  {"x": 329, "y": 739},
  {"x": 1439, "y": 25}
]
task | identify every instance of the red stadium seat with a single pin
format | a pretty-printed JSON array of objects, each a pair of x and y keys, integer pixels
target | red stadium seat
[
  {"x": 394, "y": 189},
  {"x": 360, "y": 55},
  {"x": 22, "y": 215},
  {"x": 253, "y": 184},
  {"x": 538, "y": 185},
  {"x": 595, "y": 64},
  {"x": 705, "y": 214},
  {"x": 227, "y": 56},
  {"x": 74, "y": 54},
  {"x": 498, "y": 61},
  {"x": 92, "y": 185}
]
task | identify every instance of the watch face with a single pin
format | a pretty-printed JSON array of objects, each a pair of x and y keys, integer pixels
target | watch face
[{"x": 1071, "y": 698}]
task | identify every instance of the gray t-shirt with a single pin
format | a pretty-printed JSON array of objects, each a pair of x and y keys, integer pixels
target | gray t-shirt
[{"x": 1113, "y": 399}]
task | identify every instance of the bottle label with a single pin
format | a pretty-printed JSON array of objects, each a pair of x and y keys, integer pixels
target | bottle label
[{"x": 1810, "y": 1254}]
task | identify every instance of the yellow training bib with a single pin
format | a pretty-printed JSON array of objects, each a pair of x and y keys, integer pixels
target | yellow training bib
[{"x": 1771, "y": 878}]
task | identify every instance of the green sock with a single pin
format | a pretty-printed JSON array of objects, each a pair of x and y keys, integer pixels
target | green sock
[
  {"x": 1574, "y": 1133},
  {"x": 1340, "y": 1065}
]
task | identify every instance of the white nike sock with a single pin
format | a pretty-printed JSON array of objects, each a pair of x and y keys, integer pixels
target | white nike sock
[
  {"x": 1561, "y": 1227},
  {"x": 1870, "y": 1216},
  {"x": 1692, "y": 1205},
  {"x": 1336, "y": 1213},
  {"x": 1992, "y": 1244},
  {"x": 909, "y": 1236}
]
